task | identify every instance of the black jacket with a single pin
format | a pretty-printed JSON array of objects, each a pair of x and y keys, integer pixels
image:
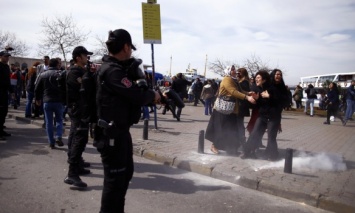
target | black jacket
[
  {"x": 5, "y": 84},
  {"x": 50, "y": 86},
  {"x": 118, "y": 97},
  {"x": 180, "y": 87},
  {"x": 73, "y": 82},
  {"x": 272, "y": 107},
  {"x": 244, "y": 104}
]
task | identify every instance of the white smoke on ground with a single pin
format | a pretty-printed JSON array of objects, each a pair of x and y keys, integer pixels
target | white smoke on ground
[{"x": 318, "y": 162}]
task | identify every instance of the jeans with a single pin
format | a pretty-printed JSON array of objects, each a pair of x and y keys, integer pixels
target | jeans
[
  {"x": 208, "y": 106},
  {"x": 30, "y": 96},
  {"x": 57, "y": 109},
  {"x": 310, "y": 103},
  {"x": 190, "y": 97},
  {"x": 350, "y": 108},
  {"x": 145, "y": 110},
  {"x": 299, "y": 104}
]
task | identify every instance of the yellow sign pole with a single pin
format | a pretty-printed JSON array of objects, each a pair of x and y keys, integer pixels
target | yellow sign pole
[
  {"x": 151, "y": 23},
  {"x": 152, "y": 34}
]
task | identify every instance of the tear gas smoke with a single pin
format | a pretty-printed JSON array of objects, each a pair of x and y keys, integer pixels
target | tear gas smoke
[{"x": 318, "y": 162}]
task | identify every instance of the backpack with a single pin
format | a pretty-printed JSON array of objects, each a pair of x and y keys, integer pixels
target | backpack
[
  {"x": 58, "y": 79},
  {"x": 312, "y": 93}
]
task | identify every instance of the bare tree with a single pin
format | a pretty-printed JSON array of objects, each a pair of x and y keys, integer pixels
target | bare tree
[
  {"x": 8, "y": 39},
  {"x": 101, "y": 46},
  {"x": 254, "y": 64},
  {"x": 61, "y": 35},
  {"x": 219, "y": 66}
]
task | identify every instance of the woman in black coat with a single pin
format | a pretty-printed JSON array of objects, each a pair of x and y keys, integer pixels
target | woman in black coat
[
  {"x": 243, "y": 79},
  {"x": 333, "y": 103},
  {"x": 271, "y": 101}
]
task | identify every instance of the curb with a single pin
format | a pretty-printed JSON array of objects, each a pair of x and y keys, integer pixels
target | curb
[{"x": 313, "y": 199}]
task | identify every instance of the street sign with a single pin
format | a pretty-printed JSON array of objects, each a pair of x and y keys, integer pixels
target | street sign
[{"x": 151, "y": 23}]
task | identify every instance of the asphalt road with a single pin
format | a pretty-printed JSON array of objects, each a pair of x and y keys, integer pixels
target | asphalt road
[{"x": 31, "y": 180}]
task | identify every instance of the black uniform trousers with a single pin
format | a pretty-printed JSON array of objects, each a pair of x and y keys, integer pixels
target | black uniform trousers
[
  {"x": 117, "y": 160},
  {"x": 77, "y": 140},
  {"x": 4, "y": 107}
]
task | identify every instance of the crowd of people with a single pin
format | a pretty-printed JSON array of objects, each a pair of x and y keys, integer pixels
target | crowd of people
[{"x": 110, "y": 100}]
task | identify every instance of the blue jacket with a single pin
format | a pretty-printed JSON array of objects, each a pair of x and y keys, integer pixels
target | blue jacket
[{"x": 350, "y": 93}]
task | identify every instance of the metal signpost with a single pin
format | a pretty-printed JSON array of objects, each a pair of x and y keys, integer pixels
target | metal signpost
[{"x": 152, "y": 34}]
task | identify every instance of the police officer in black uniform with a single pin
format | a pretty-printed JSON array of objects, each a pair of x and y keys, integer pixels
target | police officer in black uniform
[
  {"x": 5, "y": 88},
  {"x": 119, "y": 101},
  {"x": 79, "y": 130}
]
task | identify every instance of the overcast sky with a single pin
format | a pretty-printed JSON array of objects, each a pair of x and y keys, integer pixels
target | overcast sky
[{"x": 303, "y": 37}]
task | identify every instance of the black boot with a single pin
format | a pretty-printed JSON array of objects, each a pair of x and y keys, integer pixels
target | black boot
[{"x": 73, "y": 177}]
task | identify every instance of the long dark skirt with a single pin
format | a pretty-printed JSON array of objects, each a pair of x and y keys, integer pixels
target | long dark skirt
[{"x": 222, "y": 132}]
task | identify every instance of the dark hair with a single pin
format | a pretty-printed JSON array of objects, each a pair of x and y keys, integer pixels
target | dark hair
[
  {"x": 272, "y": 76},
  {"x": 53, "y": 62},
  {"x": 335, "y": 87},
  {"x": 265, "y": 76},
  {"x": 114, "y": 46},
  {"x": 179, "y": 75},
  {"x": 244, "y": 73},
  {"x": 46, "y": 57},
  {"x": 310, "y": 86}
]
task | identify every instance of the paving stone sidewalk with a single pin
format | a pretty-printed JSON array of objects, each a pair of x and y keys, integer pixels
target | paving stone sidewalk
[{"x": 320, "y": 154}]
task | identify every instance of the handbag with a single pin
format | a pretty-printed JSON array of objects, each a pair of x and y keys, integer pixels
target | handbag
[{"x": 224, "y": 104}]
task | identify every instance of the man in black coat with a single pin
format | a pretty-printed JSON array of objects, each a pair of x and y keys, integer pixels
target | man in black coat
[
  {"x": 197, "y": 89},
  {"x": 179, "y": 85},
  {"x": 5, "y": 88}
]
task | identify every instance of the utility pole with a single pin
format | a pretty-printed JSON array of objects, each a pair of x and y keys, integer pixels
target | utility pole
[
  {"x": 205, "y": 67},
  {"x": 171, "y": 59}
]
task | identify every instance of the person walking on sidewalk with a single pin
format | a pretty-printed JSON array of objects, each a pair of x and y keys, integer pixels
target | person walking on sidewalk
[
  {"x": 333, "y": 103},
  {"x": 311, "y": 95},
  {"x": 179, "y": 85},
  {"x": 41, "y": 68},
  {"x": 79, "y": 129},
  {"x": 207, "y": 95},
  {"x": 50, "y": 88},
  {"x": 197, "y": 89},
  {"x": 297, "y": 96},
  {"x": 119, "y": 101},
  {"x": 5, "y": 90},
  {"x": 350, "y": 102},
  {"x": 30, "y": 89}
]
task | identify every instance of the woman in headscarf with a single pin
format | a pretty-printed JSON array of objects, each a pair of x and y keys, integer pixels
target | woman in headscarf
[{"x": 222, "y": 129}]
